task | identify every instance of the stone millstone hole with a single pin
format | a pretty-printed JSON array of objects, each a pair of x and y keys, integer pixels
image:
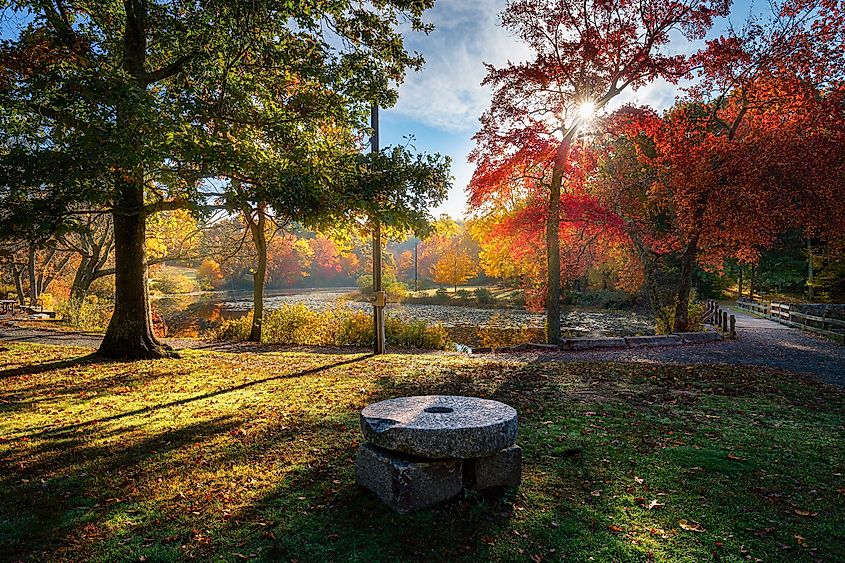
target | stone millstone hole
[{"x": 439, "y": 410}]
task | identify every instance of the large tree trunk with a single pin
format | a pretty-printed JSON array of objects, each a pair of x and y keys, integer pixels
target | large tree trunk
[
  {"x": 649, "y": 271},
  {"x": 130, "y": 333},
  {"x": 553, "y": 242},
  {"x": 684, "y": 286},
  {"x": 259, "y": 237}
]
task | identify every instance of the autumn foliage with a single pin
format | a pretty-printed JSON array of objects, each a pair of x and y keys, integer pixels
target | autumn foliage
[{"x": 752, "y": 150}]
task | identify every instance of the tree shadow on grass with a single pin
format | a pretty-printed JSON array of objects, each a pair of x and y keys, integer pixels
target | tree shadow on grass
[
  {"x": 52, "y": 432},
  {"x": 83, "y": 481},
  {"x": 35, "y": 369},
  {"x": 282, "y": 487},
  {"x": 61, "y": 489}
]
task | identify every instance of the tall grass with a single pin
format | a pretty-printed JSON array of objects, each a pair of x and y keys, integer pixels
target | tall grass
[
  {"x": 91, "y": 313},
  {"x": 341, "y": 326}
]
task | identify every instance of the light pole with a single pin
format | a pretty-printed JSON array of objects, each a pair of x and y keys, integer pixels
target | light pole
[{"x": 379, "y": 303}]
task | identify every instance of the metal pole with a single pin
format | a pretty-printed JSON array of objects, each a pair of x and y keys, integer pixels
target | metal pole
[{"x": 378, "y": 305}]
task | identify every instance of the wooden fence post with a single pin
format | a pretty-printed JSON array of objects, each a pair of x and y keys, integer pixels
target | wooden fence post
[{"x": 733, "y": 326}]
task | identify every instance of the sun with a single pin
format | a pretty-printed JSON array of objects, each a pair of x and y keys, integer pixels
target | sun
[{"x": 586, "y": 111}]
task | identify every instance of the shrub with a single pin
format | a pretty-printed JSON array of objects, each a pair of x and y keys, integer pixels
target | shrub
[
  {"x": 342, "y": 326},
  {"x": 355, "y": 329},
  {"x": 8, "y": 291},
  {"x": 463, "y": 294},
  {"x": 234, "y": 329},
  {"x": 209, "y": 275},
  {"x": 169, "y": 282},
  {"x": 442, "y": 293},
  {"x": 396, "y": 289},
  {"x": 484, "y": 296},
  {"x": 665, "y": 321},
  {"x": 92, "y": 313},
  {"x": 365, "y": 283},
  {"x": 102, "y": 287},
  {"x": 297, "y": 324},
  {"x": 48, "y": 301},
  {"x": 415, "y": 334}
]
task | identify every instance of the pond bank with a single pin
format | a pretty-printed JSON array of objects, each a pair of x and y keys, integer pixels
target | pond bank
[{"x": 191, "y": 315}]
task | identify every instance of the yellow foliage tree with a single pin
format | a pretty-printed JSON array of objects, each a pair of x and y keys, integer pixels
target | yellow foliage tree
[
  {"x": 172, "y": 235},
  {"x": 455, "y": 267}
]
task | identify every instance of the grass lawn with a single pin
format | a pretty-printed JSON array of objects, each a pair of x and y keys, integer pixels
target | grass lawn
[{"x": 230, "y": 457}]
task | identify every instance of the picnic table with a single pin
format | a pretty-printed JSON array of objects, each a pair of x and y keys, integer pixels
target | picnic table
[{"x": 8, "y": 306}]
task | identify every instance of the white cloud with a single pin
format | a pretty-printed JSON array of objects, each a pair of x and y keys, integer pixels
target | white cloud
[
  {"x": 447, "y": 93},
  {"x": 659, "y": 94}
]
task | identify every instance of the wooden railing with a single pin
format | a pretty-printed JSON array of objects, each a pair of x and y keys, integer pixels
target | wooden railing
[
  {"x": 720, "y": 319},
  {"x": 783, "y": 313}
]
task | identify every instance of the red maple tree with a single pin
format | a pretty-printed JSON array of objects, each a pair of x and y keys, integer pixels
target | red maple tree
[{"x": 584, "y": 54}]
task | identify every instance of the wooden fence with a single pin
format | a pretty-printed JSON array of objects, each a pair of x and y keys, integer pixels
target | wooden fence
[
  {"x": 720, "y": 319},
  {"x": 783, "y": 313}
]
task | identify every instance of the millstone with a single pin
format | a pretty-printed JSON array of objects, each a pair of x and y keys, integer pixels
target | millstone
[{"x": 440, "y": 426}]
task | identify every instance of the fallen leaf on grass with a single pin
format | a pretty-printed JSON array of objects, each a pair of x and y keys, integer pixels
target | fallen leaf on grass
[
  {"x": 654, "y": 504},
  {"x": 802, "y": 541},
  {"x": 639, "y": 480},
  {"x": 735, "y": 457},
  {"x": 614, "y": 528},
  {"x": 800, "y": 512},
  {"x": 690, "y": 526}
]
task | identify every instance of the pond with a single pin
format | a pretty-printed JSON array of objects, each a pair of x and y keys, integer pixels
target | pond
[{"x": 192, "y": 314}]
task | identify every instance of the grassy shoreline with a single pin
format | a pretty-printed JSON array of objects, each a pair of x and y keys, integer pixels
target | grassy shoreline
[{"x": 231, "y": 456}]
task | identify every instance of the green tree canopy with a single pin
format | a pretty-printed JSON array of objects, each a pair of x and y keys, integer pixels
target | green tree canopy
[{"x": 134, "y": 105}]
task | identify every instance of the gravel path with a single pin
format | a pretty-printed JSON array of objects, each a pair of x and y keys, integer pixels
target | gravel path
[{"x": 759, "y": 342}]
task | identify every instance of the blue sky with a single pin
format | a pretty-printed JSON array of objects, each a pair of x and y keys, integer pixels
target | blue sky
[{"x": 440, "y": 105}]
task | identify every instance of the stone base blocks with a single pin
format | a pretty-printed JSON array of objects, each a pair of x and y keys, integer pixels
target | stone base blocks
[
  {"x": 497, "y": 471},
  {"x": 404, "y": 483},
  {"x": 423, "y": 450}
]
